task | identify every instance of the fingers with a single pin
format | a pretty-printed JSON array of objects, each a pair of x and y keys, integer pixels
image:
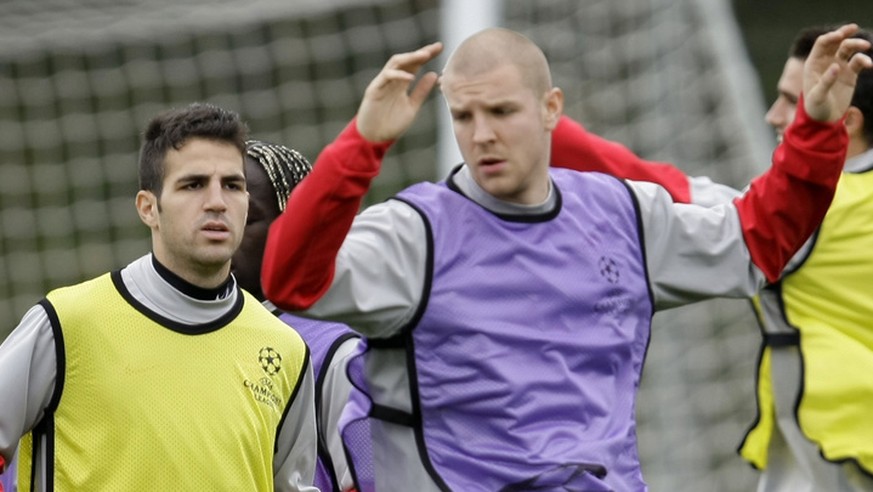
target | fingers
[
  {"x": 402, "y": 67},
  {"x": 860, "y": 61},
  {"x": 830, "y": 43},
  {"x": 827, "y": 80},
  {"x": 413, "y": 60},
  {"x": 847, "y": 30},
  {"x": 816, "y": 95},
  {"x": 393, "y": 98},
  {"x": 837, "y": 46},
  {"x": 831, "y": 71},
  {"x": 851, "y": 46},
  {"x": 388, "y": 76},
  {"x": 423, "y": 88},
  {"x": 841, "y": 33}
]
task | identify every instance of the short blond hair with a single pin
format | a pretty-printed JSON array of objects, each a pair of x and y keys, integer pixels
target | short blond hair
[{"x": 495, "y": 47}]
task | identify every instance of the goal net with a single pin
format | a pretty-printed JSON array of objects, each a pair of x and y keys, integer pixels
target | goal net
[{"x": 668, "y": 78}]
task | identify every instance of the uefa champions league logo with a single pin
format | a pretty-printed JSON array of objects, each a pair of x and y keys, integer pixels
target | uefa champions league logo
[
  {"x": 609, "y": 269},
  {"x": 262, "y": 390},
  {"x": 270, "y": 361}
]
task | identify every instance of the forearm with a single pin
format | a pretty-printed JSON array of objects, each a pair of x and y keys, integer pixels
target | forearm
[
  {"x": 303, "y": 242},
  {"x": 785, "y": 205},
  {"x": 573, "y": 147}
]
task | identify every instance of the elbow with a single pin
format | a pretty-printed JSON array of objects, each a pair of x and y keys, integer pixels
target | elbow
[
  {"x": 286, "y": 300},
  {"x": 284, "y": 296},
  {"x": 289, "y": 295}
]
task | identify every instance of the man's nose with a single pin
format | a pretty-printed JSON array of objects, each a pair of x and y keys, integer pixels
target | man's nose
[
  {"x": 215, "y": 199},
  {"x": 482, "y": 130},
  {"x": 775, "y": 116}
]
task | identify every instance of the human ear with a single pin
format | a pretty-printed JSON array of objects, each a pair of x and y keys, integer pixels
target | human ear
[
  {"x": 854, "y": 122},
  {"x": 147, "y": 207},
  {"x": 554, "y": 107}
]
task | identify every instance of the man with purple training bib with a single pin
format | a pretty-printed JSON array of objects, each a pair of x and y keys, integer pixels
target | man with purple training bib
[{"x": 507, "y": 309}]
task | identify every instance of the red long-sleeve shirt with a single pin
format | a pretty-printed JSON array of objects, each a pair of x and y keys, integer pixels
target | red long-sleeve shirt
[{"x": 779, "y": 212}]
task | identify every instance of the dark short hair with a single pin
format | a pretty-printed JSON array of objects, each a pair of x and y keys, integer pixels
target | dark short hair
[
  {"x": 172, "y": 129},
  {"x": 801, "y": 47},
  {"x": 863, "y": 96}
]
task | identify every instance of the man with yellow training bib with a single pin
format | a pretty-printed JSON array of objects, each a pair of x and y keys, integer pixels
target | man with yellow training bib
[
  {"x": 814, "y": 392},
  {"x": 164, "y": 375}
]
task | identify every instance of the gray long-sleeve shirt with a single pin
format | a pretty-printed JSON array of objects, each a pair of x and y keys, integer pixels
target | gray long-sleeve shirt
[
  {"x": 28, "y": 368},
  {"x": 373, "y": 280},
  {"x": 692, "y": 253}
]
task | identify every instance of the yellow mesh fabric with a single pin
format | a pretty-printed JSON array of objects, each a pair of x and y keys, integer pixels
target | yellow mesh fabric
[{"x": 148, "y": 408}]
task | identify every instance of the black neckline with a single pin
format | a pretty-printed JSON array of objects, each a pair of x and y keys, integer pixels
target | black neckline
[
  {"x": 196, "y": 329},
  {"x": 509, "y": 217},
  {"x": 191, "y": 290}
]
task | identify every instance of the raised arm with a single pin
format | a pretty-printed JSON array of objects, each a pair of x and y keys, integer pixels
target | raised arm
[
  {"x": 299, "y": 258},
  {"x": 573, "y": 147},
  {"x": 732, "y": 249},
  {"x": 786, "y": 204}
]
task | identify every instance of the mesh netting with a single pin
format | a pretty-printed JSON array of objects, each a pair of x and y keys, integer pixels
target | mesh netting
[
  {"x": 78, "y": 81},
  {"x": 70, "y": 117}
]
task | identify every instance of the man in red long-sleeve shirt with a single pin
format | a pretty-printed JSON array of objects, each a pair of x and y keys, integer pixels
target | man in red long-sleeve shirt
[
  {"x": 507, "y": 309},
  {"x": 814, "y": 396}
]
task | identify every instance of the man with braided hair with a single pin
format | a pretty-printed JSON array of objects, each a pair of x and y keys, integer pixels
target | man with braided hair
[
  {"x": 272, "y": 171},
  {"x": 165, "y": 374}
]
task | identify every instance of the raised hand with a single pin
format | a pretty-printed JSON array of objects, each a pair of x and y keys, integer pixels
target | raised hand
[
  {"x": 389, "y": 106},
  {"x": 830, "y": 73}
]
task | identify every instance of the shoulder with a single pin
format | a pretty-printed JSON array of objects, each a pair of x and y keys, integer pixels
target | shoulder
[
  {"x": 102, "y": 282},
  {"x": 81, "y": 297},
  {"x": 569, "y": 177}
]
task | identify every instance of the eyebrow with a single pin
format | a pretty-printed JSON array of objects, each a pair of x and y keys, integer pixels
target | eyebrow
[
  {"x": 233, "y": 178},
  {"x": 488, "y": 105},
  {"x": 791, "y": 97}
]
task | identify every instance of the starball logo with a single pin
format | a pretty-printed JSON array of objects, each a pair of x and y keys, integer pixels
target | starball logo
[
  {"x": 617, "y": 303},
  {"x": 262, "y": 390},
  {"x": 270, "y": 360},
  {"x": 609, "y": 269}
]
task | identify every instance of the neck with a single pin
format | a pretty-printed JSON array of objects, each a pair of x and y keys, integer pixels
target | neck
[
  {"x": 197, "y": 288},
  {"x": 857, "y": 146},
  {"x": 462, "y": 178}
]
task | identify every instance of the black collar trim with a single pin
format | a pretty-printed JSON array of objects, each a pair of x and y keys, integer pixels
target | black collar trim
[
  {"x": 525, "y": 218},
  {"x": 176, "y": 326},
  {"x": 191, "y": 290}
]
